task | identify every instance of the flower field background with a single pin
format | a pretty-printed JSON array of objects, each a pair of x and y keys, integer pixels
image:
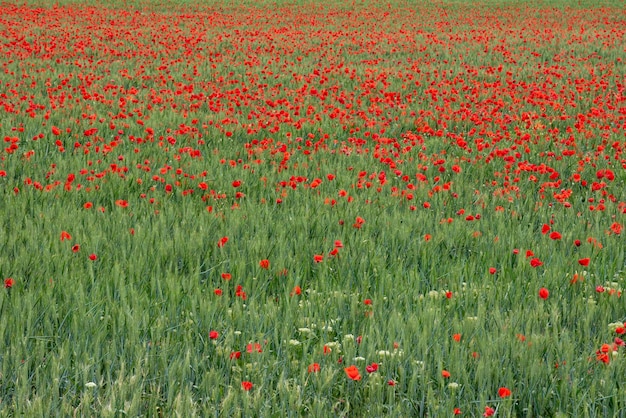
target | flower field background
[{"x": 404, "y": 209}]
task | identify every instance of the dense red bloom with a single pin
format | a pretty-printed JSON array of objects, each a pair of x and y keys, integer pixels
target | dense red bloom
[
  {"x": 8, "y": 283},
  {"x": 245, "y": 385},
  {"x": 236, "y": 183},
  {"x": 264, "y": 264},
  {"x": 492, "y": 270},
  {"x": 121, "y": 203},
  {"x": 93, "y": 257},
  {"x": 544, "y": 293},
  {"x": 218, "y": 292},
  {"x": 213, "y": 335},
  {"x": 616, "y": 228},
  {"x": 504, "y": 392},
  {"x": 76, "y": 248},
  {"x": 318, "y": 258},
  {"x": 65, "y": 235},
  {"x": 577, "y": 243},
  {"x": 358, "y": 223},
  {"x": 367, "y": 301},
  {"x": 489, "y": 411},
  {"x": 535, "y": 262},
  {"x": 457, "y": 411},
  {"x": 226, "y": 276},
  {"x": 545, "y": 229},
  {"x": 353, "y": 372},
  {"x": 584, "y": 262},
  {"x": 445, "y": 374},
  {"x": 456, "y": 337},
  {"x": 235, "y": 355}
]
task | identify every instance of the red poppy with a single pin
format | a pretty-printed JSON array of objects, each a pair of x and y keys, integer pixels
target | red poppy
[
  {"x": 314, "y": 368},
  {"x": 226, "y": 276},
  {"x": 76, "y": 248},
  {"x": 545, "y": 229},
  {"x": 8, "y": 283},
  {"x": 584, "y": 262},
  {"x": 544, "y": 293},
  {"x": 367, "y": 301},
  {"x": 353, "y": 372},
  {"x": 93, "y": 257},
  {"x": 213, "y": 335},
  {"x": 371, "y": 368},
  {"x": 245, "y": 385},
  {"x": 236, "y": 183},
  {"x": 338, "y": 244},
  {"x": 504, "y": 392},
  {"x": 492, "y": 270},
  {"x": 254, "y": 348},
  {"x": 489, "y": 411},
  {"x": 65, "y": 235},
  {"x": 616, "y": 228},
  {"x": 235, "y": 355},
  {"x": 121, "y": 203},
  {"x": 222, "y": 242},
  {"x": 457, "y": 411},
  {"x": 296, "y": 291},
  {"x": 218, "y": 292},
  {"x": 318, "y": 258},
  {"x": 264, "y": 264},
  {"x": 535, "y": 262},
  {"x": 456, "y": 337},
  {"x": 555, "y": 235},
  {"x": 445, "y": 374},
  {"x": 577, "y": 243}
]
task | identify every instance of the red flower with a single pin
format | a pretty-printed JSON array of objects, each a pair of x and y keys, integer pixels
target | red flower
[
  {"x": 367, "y": 301},
  {"x": 371, "y": 368},
  {"x": 545, "y": 229},
  {"x": 76, "y": 248},
  {"x": 218, "y": 292},
  {"x": 245, "y": 385},
  {"x": 445, "y": 374},
  {"x": 584, "y": 261},
  {"x": 489, "y": 411},
  {"x": 222, "y": 242},
  {"x": 457, "y": 411},
  {"x": 577, "y": 243},
  {"x": 213, "y": 335},
  {"x": 504, "y": 392},
  {"x": 353, "y": 372},
  {"x": 56, "y": 131},
  {"x": 338, "y": 244},
  {"x": 226, "y": 276},
  {"x": 544, "y": 293},
  {"x": 535, "y": 262},
  {"x": 121, "y": 203},
  {"x": 93, "y": 257},
  {"x": 297, "y": 290},
  {"x": 555, "y": 235},
  {"x": 456, "y": 337},
  {"x": 236, "y": 183},
  {"x": 254, "y": 347},
  {"x": 314, "y": 368},
  {"x": 492, "y": 270},
  {"x": 235, "y": 355},
  {"x": 264, "y": 264},
  {"x": 318, "y": 258},
  {"x": 65, "y": 235},
  {"x": 8, "y": 283}
]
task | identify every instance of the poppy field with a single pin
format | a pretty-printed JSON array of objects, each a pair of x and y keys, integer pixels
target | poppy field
[{"x": 313, "y": 209}]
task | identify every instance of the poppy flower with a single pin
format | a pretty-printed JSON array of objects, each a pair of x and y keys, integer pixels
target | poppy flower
[
  {"x": 489, "y": 411},
  {"x": 504, "y": 392},
  {"x": 584, "y": 262},
  {"x": 492, "y": 270},
  {"x": 352, "y": 372},
  {"x": 544, "y": 293},
  {"x": 254, "y": 348},
  {"x": 121, "y": 203},
  {"x": 245, "y": 385},
  {"x": 226, "y": 276},
  {"x": 314, "y": 368},
  {"x": 8, "y": 283},
  {"x": 371, "y": 368},
  {"x": 555, "y": 235},
  {"x": 535, "y": 262},
  {"x": 222, "y": 242},
  {"x": 318, "y": 258},
  {"x": 577, "y": 243},
  {"x": 264, "y": 264},
  {"x": 65, "y": 235},
  {"x": 456, "y": 337},
  {"x": 218, "y": 292},
  {"x": 236, "y": 183},
  {"x": 235, "y": 355},
  {"x": 445, "y": 374},
  {"x": 213, "y": 335},
  {"x": 76, "y": 248},
  {"x": 457, "y": 411},
  {"x": 545, "y": 229},
  {"x": 297, "y": 290},
  {"x": 93, "y": 257}
]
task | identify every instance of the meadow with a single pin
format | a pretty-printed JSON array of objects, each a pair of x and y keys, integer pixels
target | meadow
[{"x": 313, "y": 209}]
